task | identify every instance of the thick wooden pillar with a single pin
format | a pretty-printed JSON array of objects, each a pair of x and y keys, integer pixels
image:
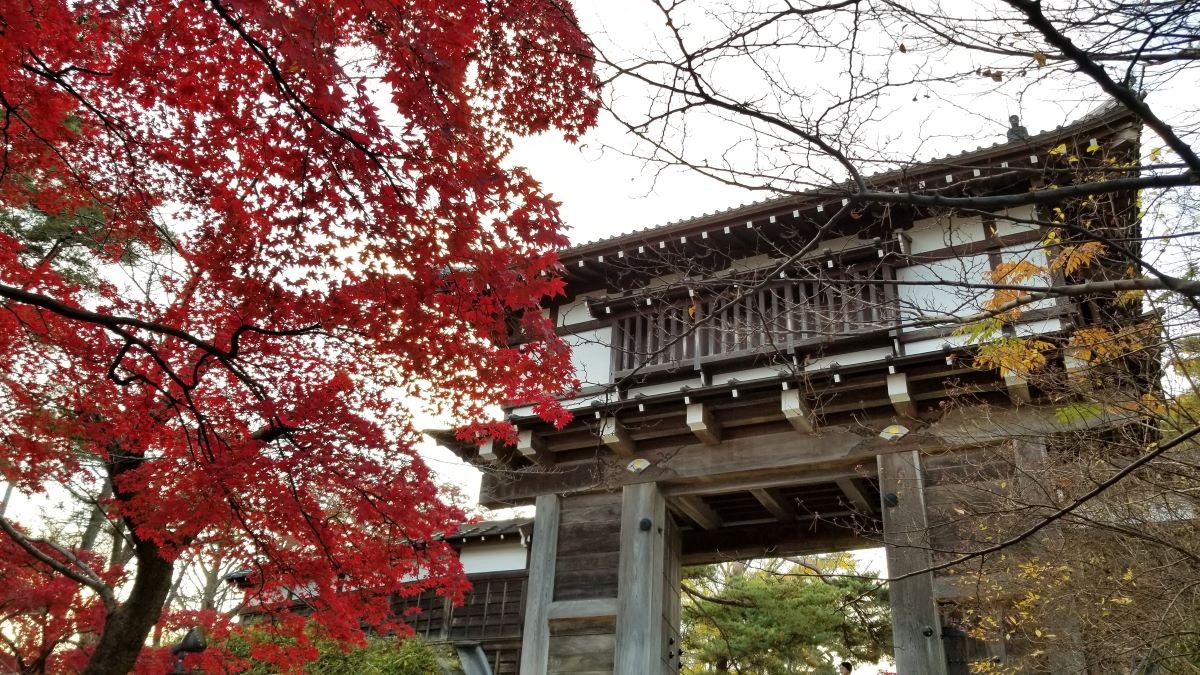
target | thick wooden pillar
[
  {"x": 916, "y": 626},
  {"x": 642, "y": 575},
  {"x": 539, "y": 589}
]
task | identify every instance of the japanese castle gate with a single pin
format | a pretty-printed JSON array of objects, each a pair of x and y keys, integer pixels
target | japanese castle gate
[{"x": 717, "y": 423}]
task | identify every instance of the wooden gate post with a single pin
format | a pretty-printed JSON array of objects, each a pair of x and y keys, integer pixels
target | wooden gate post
[
  {"x": 535, "y": 638},
  {"x": 916, "y": 626},
  {"x": 640, "y": 579}
]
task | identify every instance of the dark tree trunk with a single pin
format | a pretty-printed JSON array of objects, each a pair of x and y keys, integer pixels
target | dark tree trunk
[{"x": 126, "y": 629}]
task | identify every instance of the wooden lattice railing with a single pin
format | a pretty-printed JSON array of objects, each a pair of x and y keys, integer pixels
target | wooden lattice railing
[
  {"x": 780, "y": 316},
  {"x": 493, "y": 609}
]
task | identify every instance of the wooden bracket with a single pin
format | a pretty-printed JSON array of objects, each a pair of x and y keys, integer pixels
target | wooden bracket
[
  {"x": 702, "y": 514},
  {"x": 1018, "y": 388},
  {"x": 616, "y": 437},
  {"x": 774, "y": 502},
  {"x": 855, "y": 496},
  {"x": 487, "y": 451},
  {"x": 700, "y": 420},
  {"x": 796, "y": 410},
  {"x": 532, "y": 447},
  {"x": 897, "y": 384}
]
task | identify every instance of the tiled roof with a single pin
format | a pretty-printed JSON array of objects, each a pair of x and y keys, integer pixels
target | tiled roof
[
  {"x": 493, "y": 528},
  {"x": 1105, "y": 114}
]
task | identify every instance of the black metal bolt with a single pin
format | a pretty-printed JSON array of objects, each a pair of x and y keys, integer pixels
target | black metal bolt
[
  {"x": 891, "y": 500},
  {"x": 645, "y": 525}
]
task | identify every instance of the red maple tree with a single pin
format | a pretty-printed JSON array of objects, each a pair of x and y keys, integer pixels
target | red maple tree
[{"x": 237, "y": 240}]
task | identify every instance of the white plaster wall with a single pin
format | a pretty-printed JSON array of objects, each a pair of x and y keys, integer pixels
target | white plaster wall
[
  {"x": 932, "y": 234},
  {"x": 591, "y": 354},
  {"x": 934, "y": 344},
  {"x": 849, "y": 358},
  {"x": 480, "y": 558},
  {"x": 1036, "y": 255},
  {"x": 1037, "y": 327},
  {"x": 1006, "y": 228},
  {"x": 943, "y": 296},
  {"x": 570, "y": 403},
  {"x": 665, "y": 387},
  {"x": 751, "y": 374},
  {"x": 576, "y": 311}
]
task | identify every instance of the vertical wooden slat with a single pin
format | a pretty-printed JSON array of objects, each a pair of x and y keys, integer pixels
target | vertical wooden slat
[
  {"x": 831, "y": 299},
  {"x": 712, "y": 330},
  {"x": 642, "y": 339},
  {"x": 677, "y": 348},
  {"x": 535, "y": 638},
  {"x": 732, "y": 335},
  {"x": 640, "y": 642},
  {"x": 777, "y": 317},
  {"x": 791, "y": 305},
  {"x": 627, "y": 355},
  {"x": 916, "y": 625},
  {"x": 892, "y": 314},
  {"x": 660, "y": 330}
]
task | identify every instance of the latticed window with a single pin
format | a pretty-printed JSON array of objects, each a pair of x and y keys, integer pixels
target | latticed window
[{"x": 777, "y": 316}]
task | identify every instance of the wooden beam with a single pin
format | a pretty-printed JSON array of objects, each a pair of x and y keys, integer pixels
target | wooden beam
[
  {"x": 614, "y": 434},
  {"x": 796, "y": 410},
  {"x": 916, "y": 624},
  {"x": 532, "y": 447},
  {"x": 487, "y": 451},
  {"x": 539, "y": 589},
  {"x": 1018, "y": 388},
  {"x": 592, "y": 608},
  {"x": 640, "y": 581},
  {"x": 746, "y": 542},
  {"x": 785, "y": 458},
  {"x": 902, "y": 401},
  {"x": 700, "y": 513},
  {"x": 700, "y": 420},
  {"x": 774, "y": 502},
  {"x": 759, "y": 480},
  {"x": 855, "y": 496}
]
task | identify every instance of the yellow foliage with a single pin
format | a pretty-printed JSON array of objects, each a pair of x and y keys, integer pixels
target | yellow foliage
[
  {"x": 1099, "y": 345},
  {"x": 1013, "y": 355},
  {"x": 1073, "y": 258},
  {"x": 1016, "y": 272}
]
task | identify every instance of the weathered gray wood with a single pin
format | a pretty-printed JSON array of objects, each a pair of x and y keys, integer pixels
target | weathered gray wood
[
  {"x": 785, "y": 454},
  {"x": 672, "y": 607},
  {"x": 616, "y": 437},
  {"x": 640, "y": 596},
  {"x": 535, "y": 638},
  {"x": 1030, "y": 460},
  {"x": 581, "y": 654},
  {"x": 700, "y": 513},
  {"x": 774, "y": 502},
  {"x": 700, "y": 420},
  {"x": 902, "y": 401},
  {"x": 759, "y": 481},
  {"x": 589, "y": 534},
  {"x": 796, "y": 410},
  {"x": 582, "y": 609},
  {"x": 916, "y": 626}
]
